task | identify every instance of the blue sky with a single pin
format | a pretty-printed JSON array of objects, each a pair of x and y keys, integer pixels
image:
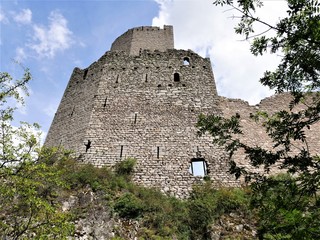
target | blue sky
[{"x": 52, "y": 37}]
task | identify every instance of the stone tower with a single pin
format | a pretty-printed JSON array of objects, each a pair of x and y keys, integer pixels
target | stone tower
[{"x": 142, "y": 99}]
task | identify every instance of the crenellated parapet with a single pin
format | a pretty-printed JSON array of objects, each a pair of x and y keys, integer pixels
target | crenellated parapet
[{"x": 140, "y": 38}]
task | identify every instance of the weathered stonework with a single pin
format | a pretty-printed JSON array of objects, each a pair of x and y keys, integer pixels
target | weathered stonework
[
  {"x": 142, "y": 100},
  {"x": 152, "y": 38}
]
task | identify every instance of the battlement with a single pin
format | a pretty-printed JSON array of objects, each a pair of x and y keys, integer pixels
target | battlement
[{"x": 145, "y": 37}]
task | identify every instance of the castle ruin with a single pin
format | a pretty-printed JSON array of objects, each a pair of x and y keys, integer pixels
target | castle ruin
[{"x": 142, "y": 99}]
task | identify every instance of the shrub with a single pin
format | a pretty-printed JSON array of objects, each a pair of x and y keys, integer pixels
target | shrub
[
  {"x": 284, "y": 211},
  {"x": 128, "y": 206},
  {"x": 207, "y": 204},
  {"x": 125, "y": 167}
]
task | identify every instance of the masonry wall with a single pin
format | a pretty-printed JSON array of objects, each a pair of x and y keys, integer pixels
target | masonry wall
[
  {"x": 254, "y": 133},
  {"x": 150, "y": 38},
  {"x": 145, "y": 104},
  {"x": 73, "y": 115},
  {"x": 144, "y": 107}
]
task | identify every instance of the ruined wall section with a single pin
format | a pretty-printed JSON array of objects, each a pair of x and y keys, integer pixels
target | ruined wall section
[
  {"x": 151, "y": 38},
  {"x": 254, "y": 133},
  {"x": 146, "y": 107}
]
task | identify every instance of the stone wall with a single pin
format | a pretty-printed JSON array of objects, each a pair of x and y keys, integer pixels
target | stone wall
[
  {"x": 150, "y": 38},
  {"x": 254, "y": 134},
  {"x": 145, "y": 104},
  {"x": 144, "y": 107},
  {"x": 73, "y": 115}
]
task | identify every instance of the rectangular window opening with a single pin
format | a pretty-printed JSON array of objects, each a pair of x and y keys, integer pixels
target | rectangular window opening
[{"x": 198, "y": 167}]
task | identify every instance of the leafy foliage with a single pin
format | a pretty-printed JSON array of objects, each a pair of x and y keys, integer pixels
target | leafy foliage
[
  {"x": 125, "y": 167},
  {"x": 295, "y": 215},
  {"x": 28, "y": 189},
  {"x": 207, "y": 204},
  {"x": 297, "y": 39},
  {"x": 28, "y": 203}
]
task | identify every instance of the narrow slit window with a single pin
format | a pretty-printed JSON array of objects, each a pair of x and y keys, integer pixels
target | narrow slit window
[
  {"x": 121, "y": 151},
  {"x": 158, "y": 152},
  {"x": 117, "y": 80},
  {"x": 198, "y": 167},
  {"x": 105, "y": 102},
  {"x": 176, "y": 77},
  {"x": 146, "y": 79},
  {"x": 71, "y": 114},
  {"x": 135, "y": 118}
]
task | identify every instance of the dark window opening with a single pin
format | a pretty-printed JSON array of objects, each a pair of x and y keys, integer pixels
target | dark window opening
[
  {"x": 159, "y": 85},
  {"x": 117, "y": 80},
  {"x": 158, "y": 152},
  {"x": 135, "y": 118},
  {"x": 105, "y": 102},
  {"x": 71, "y": 114},
  {"x": 176, "y": 77},
  {"x": 198, "y": 167},
  {"x": 88, "y": 145},
  {"x": 146, "y": 79},
  {"x": 121, "y": 151},
  {"x": 186, "y": 61},
  {"x": 170, "y": 85},
  {"x": 85, "y": 73},
  {"x": 183, "y": 85},
  {"x": 204, "y": 67}
]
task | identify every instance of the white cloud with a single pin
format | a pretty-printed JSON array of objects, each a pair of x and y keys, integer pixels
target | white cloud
[
  {"x": 3, "y": 17},
  {"x": 48, "y": 40},
  {"x": 24, "y": 17},
  {"x": 209, "y": 31},
  {"x": 50, "y": 109},
  {"x": 20, "y": 54}
]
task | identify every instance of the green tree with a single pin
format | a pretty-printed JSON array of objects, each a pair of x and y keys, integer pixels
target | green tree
[
  {"x": 296, "y": 38},
  {"x": 28, "y": 190}
]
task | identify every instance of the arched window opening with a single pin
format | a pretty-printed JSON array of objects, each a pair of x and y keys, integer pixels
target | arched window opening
[
  {"x": 176, "y": 77},
  {"x": 198, "y": 167},
  {"x": 186, "y": 61}
]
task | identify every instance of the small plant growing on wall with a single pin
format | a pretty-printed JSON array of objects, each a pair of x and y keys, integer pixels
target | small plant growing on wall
[{"x": 125, "y": 167}]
